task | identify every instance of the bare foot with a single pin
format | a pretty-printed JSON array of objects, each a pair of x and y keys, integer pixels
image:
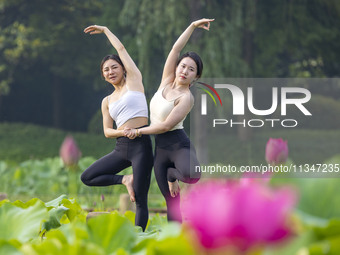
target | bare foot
[
  {"x": 174, "y": 188},
  {"x": 128, "y": 182}
]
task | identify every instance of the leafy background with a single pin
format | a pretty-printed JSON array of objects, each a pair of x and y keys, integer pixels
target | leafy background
[
  {"x": 50, "y": 86},
  {"x": 49, "y": 69}
]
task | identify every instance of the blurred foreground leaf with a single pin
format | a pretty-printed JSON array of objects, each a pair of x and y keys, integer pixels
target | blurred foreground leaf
[{"x": 22, "y": 224}]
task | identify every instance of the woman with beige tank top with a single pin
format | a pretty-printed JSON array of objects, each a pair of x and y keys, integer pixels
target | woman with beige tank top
[{"x": 175, "y": 157}]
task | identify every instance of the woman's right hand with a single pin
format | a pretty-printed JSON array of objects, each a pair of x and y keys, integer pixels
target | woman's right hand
[
  {"x": 203, "y": 23},
  {"x": 130, "y": 132},
  {"x": 95, "y": 29}
]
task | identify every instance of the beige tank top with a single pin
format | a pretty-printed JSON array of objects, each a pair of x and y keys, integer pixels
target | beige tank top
[{"x": 160, "y": 109}]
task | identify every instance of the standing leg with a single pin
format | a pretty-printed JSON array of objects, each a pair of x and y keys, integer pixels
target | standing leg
[{"x": 142, "y": 162}]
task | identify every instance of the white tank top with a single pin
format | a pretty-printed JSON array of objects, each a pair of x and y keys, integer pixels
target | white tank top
[
  {"x": 131, "y": 105},
  {"x": 160, "y": 109}
]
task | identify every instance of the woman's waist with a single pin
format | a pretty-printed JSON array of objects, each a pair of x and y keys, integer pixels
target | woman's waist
[
  {"x": 171, "y": 137},
  {"x": 124, "y": 139},
  {"x": 144, "y": 139},
  {"x": 136, "y": 122}
]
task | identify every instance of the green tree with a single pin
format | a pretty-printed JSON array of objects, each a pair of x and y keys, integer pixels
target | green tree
[
  {"x": 45, "y": 39},
  {"x": 45, "y": 56}
]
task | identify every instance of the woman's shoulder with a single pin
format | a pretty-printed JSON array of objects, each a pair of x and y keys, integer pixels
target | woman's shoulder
[
  {"x": 165, "y": 82},
  {"x": 135, "y": 86},
  {"x": 106, "y": 100},
  {"x": 186, "y": 98},
  {"x": 190, "y": 97},
  {"x": 134, "y": 82}
]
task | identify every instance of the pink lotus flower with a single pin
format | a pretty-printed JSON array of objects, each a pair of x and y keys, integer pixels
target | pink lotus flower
[
  {"x": 276, "y": 151},
  {"x": 69, "y": 152},
  {"x": 237, "y": 215}
]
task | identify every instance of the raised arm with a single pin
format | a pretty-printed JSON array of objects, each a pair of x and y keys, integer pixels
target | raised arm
[
  {"x": 133, "y": 73},
  {"x": 170, "y": 64}
]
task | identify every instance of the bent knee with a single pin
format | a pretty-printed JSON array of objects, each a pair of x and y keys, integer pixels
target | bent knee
[
  {"x": 85, "y": 180},
  {"x": 194, "y": 180},
  {"x": 191, "y": 179}
]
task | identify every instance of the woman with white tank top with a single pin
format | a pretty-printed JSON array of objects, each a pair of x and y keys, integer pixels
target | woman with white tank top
[
  {"x": 175, "y": 157},
  {"x": 127, "y": 107}
]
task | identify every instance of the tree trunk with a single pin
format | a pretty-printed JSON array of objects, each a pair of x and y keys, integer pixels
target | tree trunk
[
  {"x": 0, "y": 105},
  {"x": 249, "y": 17},
  {"x": 195, "y": 14},
  {"x": 57, "y": 102},
  {"x": 200, "y": 126}
]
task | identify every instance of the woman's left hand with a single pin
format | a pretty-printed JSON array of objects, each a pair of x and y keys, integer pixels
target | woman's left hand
[
  {"x": 131, "y": 133},
  {"x": 203, "y": 23},
  {"x": 95, "y": 29}
]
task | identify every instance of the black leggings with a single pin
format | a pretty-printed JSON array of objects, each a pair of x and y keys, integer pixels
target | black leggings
[
  {"x": 136, "y": 153},
  {"x": 175, "y": 159}
]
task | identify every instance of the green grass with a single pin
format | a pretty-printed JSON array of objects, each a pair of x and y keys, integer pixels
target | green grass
[
  {"x": 20, "y": 142},
  {"x": 305, "y": 146}
]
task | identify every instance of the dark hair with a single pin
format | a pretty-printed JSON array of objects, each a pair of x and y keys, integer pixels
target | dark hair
[
  {"x": 194, "y": 56},
  {"x": 112, "y": 56}
]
